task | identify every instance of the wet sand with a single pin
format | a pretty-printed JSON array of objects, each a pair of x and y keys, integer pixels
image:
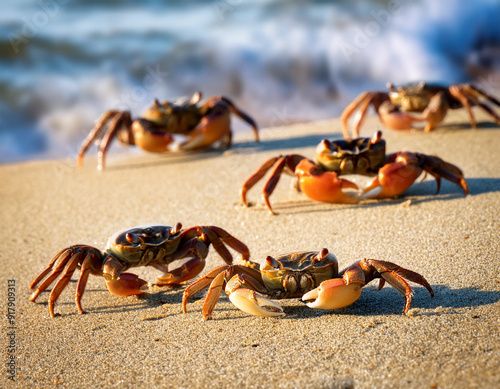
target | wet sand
[{"x": 449, "y": 341}]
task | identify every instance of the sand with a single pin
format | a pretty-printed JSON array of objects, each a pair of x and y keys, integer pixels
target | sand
[{"x": 449, "y": 341}]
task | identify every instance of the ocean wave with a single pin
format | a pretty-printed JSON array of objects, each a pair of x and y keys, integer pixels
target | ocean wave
[{"x": 281, "y": 61}]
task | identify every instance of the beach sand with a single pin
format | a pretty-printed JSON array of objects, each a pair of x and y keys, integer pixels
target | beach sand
[{"x": 449, "y": 341}]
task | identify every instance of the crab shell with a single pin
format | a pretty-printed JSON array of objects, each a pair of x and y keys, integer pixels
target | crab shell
[
  {"x": 178, "y": 116},
  {"x": 358, "y": 156},
  {"x": 299, "y": 273},
  {"x": 141, "y": 245}
]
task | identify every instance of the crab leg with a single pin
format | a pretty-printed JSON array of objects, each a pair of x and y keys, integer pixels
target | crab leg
[
  {"x": 469, "y": 96},
  {"x": 361, "y": 103},
  {"x": 63, "y": 257},
  {"x": 456, "y": 91},
  {"x": 226, "y": 238},
  {"x": 280, "y": 162},
  {"x": 363, "y": 100},
  {"x": 256, "y": 177},
  {"x": 121, "y": 119},
  {"x": 442, "y": 169},
  {"x": 193, "y": 247},
  {"x": 63, "y": 281},
  {"x": 242, "y": 115},
  {"x": 82, "y": 282},
  {"x": 95, "y": 133},
  {"x": 323, "y": 186},
  {"x": 201, "y": 284}
]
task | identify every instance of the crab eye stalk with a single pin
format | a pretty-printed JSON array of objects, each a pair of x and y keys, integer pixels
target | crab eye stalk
[
  {"x": 273, "y": 262},
  {"x": 132, "y": 238},
  {"x": 323, "y": 254}
]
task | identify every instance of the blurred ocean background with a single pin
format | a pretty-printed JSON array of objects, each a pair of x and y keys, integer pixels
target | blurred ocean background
[{"x": 64, "y": 62}]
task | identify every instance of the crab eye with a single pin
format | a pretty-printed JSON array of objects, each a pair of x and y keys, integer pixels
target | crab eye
[{"x": 132, "y": 238}]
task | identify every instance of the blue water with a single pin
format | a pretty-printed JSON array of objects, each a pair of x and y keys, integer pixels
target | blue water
[{"x": 63, "y": 63}]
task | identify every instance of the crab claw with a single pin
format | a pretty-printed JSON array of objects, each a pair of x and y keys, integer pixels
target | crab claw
[
  {"x": 394, "y": 178},
  {"x": 324, "y": 187},
  {"x": 395, "y": 119},
  {"x": 127, "y": 284},
  {"x": 254, "y": 303},
  {"x": 333, "y": 294}
]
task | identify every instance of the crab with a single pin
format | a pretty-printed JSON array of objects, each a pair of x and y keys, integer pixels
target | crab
[
  {"x": 430, "y": 99},
  {"x": 320, "y": 180},
  {"x": 149, "y": 245},
  {"x": 200, "y": 124},
  {"x": 312, "y": 276}
]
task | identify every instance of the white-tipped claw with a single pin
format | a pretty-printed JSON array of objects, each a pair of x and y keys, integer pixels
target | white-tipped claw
[
  {"x": 333, "y": 294},
  {"x": 371, "y": 193},
  {"x": 254, "y": 303}
]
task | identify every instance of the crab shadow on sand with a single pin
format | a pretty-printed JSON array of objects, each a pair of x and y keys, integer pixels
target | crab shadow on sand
[
  {"x": 419, "y": 193},
  {"x": 291, "y": 142},
  {"x": 373, "y": 302},
  {"x": 241, "y": 148},
  {"x": 387, "y": 301}
]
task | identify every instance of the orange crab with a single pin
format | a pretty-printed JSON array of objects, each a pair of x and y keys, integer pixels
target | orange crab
[
  {"x": 312, "y": 276},
  {"x": 149, "y": 245},
  {"x": 201, "y": 125},
  {"x": 320, "y": 180},
  {"x": 429, "y": 99}
]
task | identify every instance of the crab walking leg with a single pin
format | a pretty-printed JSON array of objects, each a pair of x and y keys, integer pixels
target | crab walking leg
[
  {"x": 272, "y": 182},
  {"x": 256, "y": 177},
  {"x": 474, "y": 90},
  {"x": 82, "y": 281},
  {"x": 63, "y": 258},
  {"x": 219, "y": 238},
  {"x": 63, "y": 281},
  {"x": 95, "y": 133},
  {"x": 249, "y": 300},
  {"x": 191, "y": 268},
  {"x": 325, "y": 187},
  {"x": 363, "y": 100},
  {"x": 48, "y": 269},
  {"x": 396, "y": 275},
  {"x": 442, "y": 169},
  {"x": 121, "y": 119},
  {"x": 200, "y": 284},
  {"x": 242, "y": 115},
  {"x": 456, "y": 92},
  {"x": 213, "y": 295},
  {"x": 474, "y": 94}
]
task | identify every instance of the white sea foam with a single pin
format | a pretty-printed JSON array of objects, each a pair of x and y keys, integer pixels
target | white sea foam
[{"x": 280, "y": 61}]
